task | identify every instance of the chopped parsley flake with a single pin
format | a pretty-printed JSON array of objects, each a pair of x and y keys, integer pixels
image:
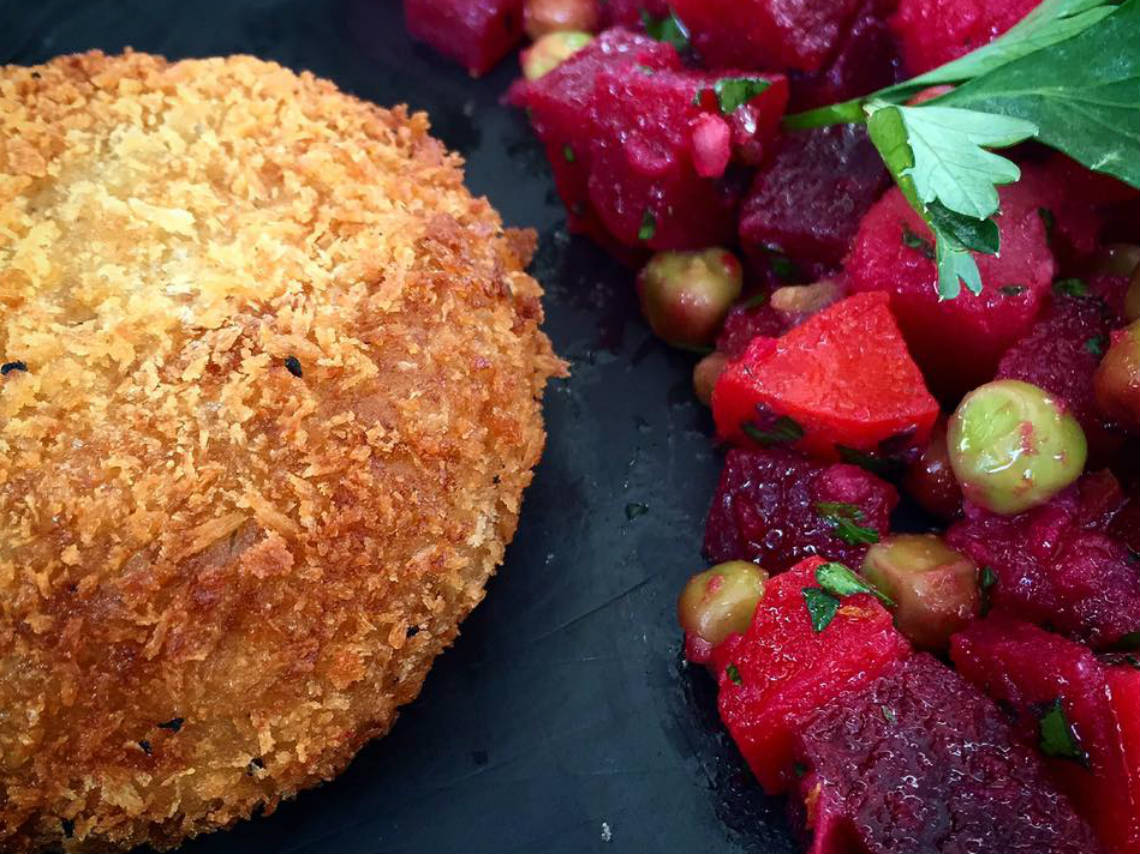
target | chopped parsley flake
[
  {"x": 1013, "y": 290},
  {"x": 822, "y": 607},
  {"x": 1047, "y": 218},
  {"x": 648, "y": 226},
  {"x": 733, "y": 674},
  {"x": 634, "y": 509},
  {"x": 838, "y": 580},
  {"x": 1057, "y": 736},
  {"x": 844, "y": 519},
  {"x": 668, "y": 29},
  {"x": 568, "y": 153},
  {"x": 871, "y": 462},
  {"x": 913, "y": 240},
  {"x": 1071, "y": 288},
  {"x": 986, "y": 580},
  {"x": 1095, "y": 345},
  {"x": 732, "y": 93},
  {"x": 889, "y": 715},
  {"x": 782, "y": 267},
  {"x": 784, "y": 431},
  {"x": 799, "y": 769}
]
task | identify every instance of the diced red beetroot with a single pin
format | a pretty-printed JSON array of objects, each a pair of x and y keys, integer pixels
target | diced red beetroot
[
  {"x": 1054, "y": 566},
  {"x": 627, "y": 13},
  {"x": 920, "y": 760},
  {"x": 783, "y": 34},
  {"x": 1124, "y": 692},
  {"x": 745, "y": 322},
  {"x": 766, "y": 509},
  {"x": 957, "y": 342},
  {"x": 1060, "y": 354},
  {"x": 807, "y": 200},
  {"x": 644, "y": 182},
  {"x": 1029, "y": 670},
  {"x": 781, "y": 670},
  {"x": 475, "y": 33},
  {"x": 560, "y": 106},
  {"x": 866, "y": 60},
  {"x": 933, "y": 32},
  {"x": 843, "y": 376}
]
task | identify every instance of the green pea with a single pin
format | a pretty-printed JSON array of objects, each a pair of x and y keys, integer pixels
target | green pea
[
  {"x": 1012, "y": 446},
  {"x": 686, "y": 295},
  {"x": 550, "y": 51},
  {"x": 719, "y": 601},
  {"x": 934, "y": 588}
]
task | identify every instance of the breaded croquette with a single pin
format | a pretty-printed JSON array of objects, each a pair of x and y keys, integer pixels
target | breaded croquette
[{"x": 270, "y": 397}]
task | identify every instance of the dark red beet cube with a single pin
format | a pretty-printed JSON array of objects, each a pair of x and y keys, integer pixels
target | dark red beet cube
[
  {"x": 866, "y": 60},
  {"x": 933, "y": 32},
  {"x": 957, "y": 342},
  {"x": 782, "y": 34},
  {"x": 645, "y": 181},
  {"x": 806, "y": 201},
  {"x": 921, "y": 760},
  {"x": 767, "y": 509},
  {"x": 560, "y": 107},
  {"x": 781, "y": 670},
  {"x": 1053, "y": 566},
  {"x": 745, "y": 322},
  {"x": 475, "y": 33},
  {"x": 1035, "y": 673},
  {"x": 842, "y": 379},
  {"x": 1060, "y": 354}
]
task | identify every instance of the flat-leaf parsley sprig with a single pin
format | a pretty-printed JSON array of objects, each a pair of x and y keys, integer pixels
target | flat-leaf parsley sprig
[{"x": 1067, "y": 75}]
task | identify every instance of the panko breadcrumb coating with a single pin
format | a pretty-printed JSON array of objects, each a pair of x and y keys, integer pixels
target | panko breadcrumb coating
[{"x": 270, "y": 399}]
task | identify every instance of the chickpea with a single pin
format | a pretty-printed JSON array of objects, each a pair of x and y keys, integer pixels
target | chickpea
[
  {"x": 1012, "y": 446},
  {"x": 550, "y": 51},
  {"x": 935, "y": 589},
  {"x": 686, "y": 295},
  {"x": 541, "y": 17},
  {"x": 705, "y": 375},
  {"x": 930, "y": 480},
  {"x": 1117, "y": 379},
  {"x": 796, "y": 303},
  {"x": 719, "y": 601}
]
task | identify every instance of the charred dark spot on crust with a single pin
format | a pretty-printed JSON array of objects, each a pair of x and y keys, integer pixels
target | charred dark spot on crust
[
  {"x": 73, "y": 587},
  {"x": 412, "y": 631},
  {"x": 293, "y": 366},
  {"x": 496, "y": 480},
  {"x": 174, "y": 724},
  {"x": 68, "y": 827},
  {"x": 256, "y": 764},
  {"x": 8, "y": 367},
  {"x": 258, "y": 810},
  {"x": 144, "y": 746}
]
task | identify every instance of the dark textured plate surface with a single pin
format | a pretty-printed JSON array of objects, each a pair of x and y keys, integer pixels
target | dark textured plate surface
[{"x": 563, "y": 718}]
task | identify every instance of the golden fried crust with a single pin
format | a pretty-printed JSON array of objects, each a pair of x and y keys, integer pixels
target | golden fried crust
[{"x": 218, "y": 578}]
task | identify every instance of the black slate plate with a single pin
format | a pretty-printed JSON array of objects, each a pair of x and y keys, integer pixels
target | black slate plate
[{"x": 563, "y": 719}]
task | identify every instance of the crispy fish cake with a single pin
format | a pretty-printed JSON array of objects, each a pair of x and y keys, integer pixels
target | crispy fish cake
[{"x": 270, "y": 398}]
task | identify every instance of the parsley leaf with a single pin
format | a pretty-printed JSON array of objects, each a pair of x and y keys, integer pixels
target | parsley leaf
[
  {"x": 940, "y": 159},
  {"x": 1083, "y": 94},
  {"x": 1071, "y": 288},
  {"x": 1057, "y": 737},
  {"x": 838, "y": 580},
  {"x": 783, "y": 431},
  {"x": 1095, "y": 345},
  {"x": 667, "y": 29},
  {"x": 821, "y": 606},
  {"x": 843, "y": 519},
  {"x": 1068, "y": 74},
  {"x": 733, "y": 674},
  {"x": 986, "y": 581}
]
